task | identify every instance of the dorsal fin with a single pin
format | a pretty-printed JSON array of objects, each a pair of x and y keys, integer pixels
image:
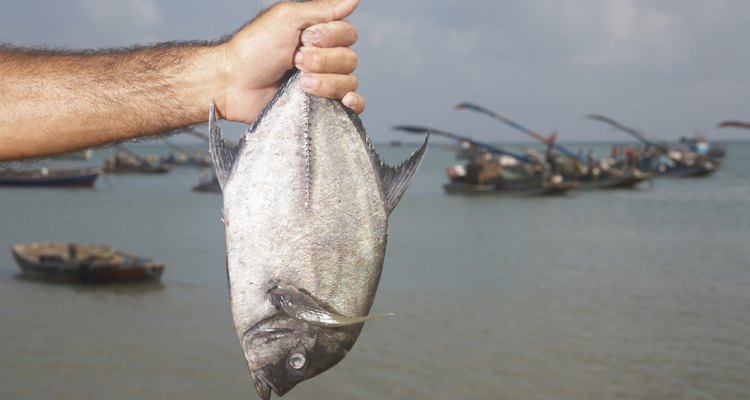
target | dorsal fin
[
  {"x": 222, "y": 153},
  {"x": 394, "y": 180}
]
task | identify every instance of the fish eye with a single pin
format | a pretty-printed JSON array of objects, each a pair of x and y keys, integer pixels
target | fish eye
[{"x": 297, "y": 360}]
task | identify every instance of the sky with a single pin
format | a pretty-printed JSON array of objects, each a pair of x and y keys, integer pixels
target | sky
[{"x": 669, "y": 67}]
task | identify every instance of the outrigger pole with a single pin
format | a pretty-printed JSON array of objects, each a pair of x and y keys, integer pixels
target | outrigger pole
[
  {"x": 492, "y": 149},
  {"x": 517, "y": 126},
  {"x": 631, "y": 131},
  {"x": 735, "y": 124}
]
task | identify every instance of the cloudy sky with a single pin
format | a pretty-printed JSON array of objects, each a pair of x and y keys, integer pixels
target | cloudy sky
[{"x": 669, "y": 67}]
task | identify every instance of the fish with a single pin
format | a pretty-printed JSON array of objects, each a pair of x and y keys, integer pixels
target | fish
[{"x": 306, "y": 202}]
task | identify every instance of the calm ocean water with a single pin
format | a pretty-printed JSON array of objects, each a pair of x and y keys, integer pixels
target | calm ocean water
[{"x": 638, "y": 294}]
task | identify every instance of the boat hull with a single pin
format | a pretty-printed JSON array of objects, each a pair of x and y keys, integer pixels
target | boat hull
[
  {"x": 55, "y": 267},
  {"x": 624, "y": 182},
  {"x": 73, "y": 178},
  {"x": 547, "y": 189},
  {"x": 208, "y": 186},
  {"x": 126, "y": 169}
]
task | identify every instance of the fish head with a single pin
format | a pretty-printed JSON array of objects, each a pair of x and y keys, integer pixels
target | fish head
[{"x": 282, "y": 352}]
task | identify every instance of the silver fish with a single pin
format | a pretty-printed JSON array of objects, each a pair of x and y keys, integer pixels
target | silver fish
[{"x": 306, "y": 206}]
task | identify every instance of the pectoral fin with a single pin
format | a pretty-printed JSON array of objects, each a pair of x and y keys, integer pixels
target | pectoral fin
[{"x": 301, "y": 306}]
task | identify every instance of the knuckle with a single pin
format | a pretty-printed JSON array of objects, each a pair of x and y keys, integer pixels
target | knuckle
[
  {"x": 354, "y": 82},
  {"x": 282, "y": 10},
  {"x": 338, "y": 34},
  {"x": 353, "y": 32},
  {"x": 353, "y": 60},
  {"x": 317, "y": 62}
]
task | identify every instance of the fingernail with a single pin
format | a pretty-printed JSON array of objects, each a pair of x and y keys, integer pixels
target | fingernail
[
  {"x": 309, "y": 82},
  {"x": 298, "y": 57},
  {"x": 350, "y": 100},
  {"x": 310, "y": 37}
]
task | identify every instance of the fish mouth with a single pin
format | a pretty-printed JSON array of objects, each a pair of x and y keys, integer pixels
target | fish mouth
[{"x": 263, "y": 385}]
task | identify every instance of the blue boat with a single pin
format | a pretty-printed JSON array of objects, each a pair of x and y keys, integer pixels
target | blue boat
[{"x": 50, "y": 177}]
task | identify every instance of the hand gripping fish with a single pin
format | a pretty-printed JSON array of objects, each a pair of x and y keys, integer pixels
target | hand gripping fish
[{"x": 306, "y": 206}]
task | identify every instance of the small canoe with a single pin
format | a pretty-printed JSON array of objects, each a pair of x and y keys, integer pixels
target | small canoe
[
  {"x": 86, "y": 263},
  {"x": 46, "y": 177}
]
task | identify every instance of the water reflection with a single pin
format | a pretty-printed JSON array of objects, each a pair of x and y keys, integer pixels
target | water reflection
[{"x": 120, "y": 289}]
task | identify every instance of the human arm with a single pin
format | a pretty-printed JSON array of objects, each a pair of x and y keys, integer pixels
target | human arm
[{"x": 57, "y": 101}]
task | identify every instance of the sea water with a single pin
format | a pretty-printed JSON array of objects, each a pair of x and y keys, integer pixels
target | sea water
[{"x": 623, "y": 294}]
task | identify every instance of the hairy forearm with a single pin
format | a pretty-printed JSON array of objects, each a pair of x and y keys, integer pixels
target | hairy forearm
[{"x": 57, "y": 101}]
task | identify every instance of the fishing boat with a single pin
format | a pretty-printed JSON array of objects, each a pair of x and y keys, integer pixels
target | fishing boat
[
  {"x": 590, "y": 172},
  {"x": 676, "y": 166},
  {"x": 183, "y": 157},
  {"x": 542, "y": 189},
  {"x": 208, "y": 183},
  {"x": 126, "y": 161},
  {"x": 491, "y": 169},
  {"x": 514, "y": 181},
  {"x": 86, "y": 263},
  {"x": 50, "y": 177},
  {"x": 602, "y": 174},
  {"x": 692, "y": 157}
]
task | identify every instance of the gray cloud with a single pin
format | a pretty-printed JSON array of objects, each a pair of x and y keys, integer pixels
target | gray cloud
[
  {"x": 121, "y": 22},
  {"x": 670, "y": 67}
]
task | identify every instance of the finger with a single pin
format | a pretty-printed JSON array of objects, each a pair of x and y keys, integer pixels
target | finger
[
  {"x": 354, "y": 101},
  {"x": 332, "y": 86},
  {"x": 303, "y": 15},
  {"x": 338, "y": 60},
  {"x": 330, "y": 34}
]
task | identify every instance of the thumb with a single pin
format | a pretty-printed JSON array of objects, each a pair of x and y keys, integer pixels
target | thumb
[{"x": 308, "y": 13}]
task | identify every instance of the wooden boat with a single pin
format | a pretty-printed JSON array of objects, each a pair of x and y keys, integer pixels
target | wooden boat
[
  {"x": 507, "y": 182},
  {"x": 679, "y": 167},
  {"x": 692, "y": 157},
  {"x": 208, "y": 183},
  {"x": 50, "y": 177},
  {"x": 126, "y": 161},
  {"x": 73, "y": 262},
  {"x": 181, "y": 156},
  {"x": 693, "y": 171}
]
